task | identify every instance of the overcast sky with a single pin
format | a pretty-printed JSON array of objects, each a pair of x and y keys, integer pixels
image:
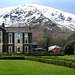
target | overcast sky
[{"x": 64, "y": 5}]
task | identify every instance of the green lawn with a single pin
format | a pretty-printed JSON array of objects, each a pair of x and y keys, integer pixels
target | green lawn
[
  {"x": 25, "y": 67},
  {"x": 68, "y": 57}
]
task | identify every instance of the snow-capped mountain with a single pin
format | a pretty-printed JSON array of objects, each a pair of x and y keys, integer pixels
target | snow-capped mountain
[{"x": 33, "y": 14}]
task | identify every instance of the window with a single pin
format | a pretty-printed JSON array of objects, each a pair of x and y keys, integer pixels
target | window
[
  {"x": 26, "y": 41},
  {"x": 10, "y": 48},
  {"x": 18, "y": 40},
  {"x": 18, "y": 35},
  {"x": 26, "y": 48},
  {"x": 10, "y": 41},
  {"x": 18, "y": 48},
  {"x": 10, "y": 38},
  {"x": 26, "y": 38},
  {"x": 10, "y": 34},
  {"x": 26, "y": 35}
]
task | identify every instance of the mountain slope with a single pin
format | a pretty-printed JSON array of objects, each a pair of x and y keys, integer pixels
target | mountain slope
[{"x": 32, "y": 14}]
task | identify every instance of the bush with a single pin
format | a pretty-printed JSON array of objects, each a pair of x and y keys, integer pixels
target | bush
[
  {"x": 52, "y": 61},
  {"x": 15, "y": 58},
  {"x": 42, "y": 54},
  {"x": 69, "y": 48},
  {"x": 44, "y": 60},
  {"x": 67, "y": 63},
  {"x": 73, "y": 65},
  {"x": 55, "y": 58}
]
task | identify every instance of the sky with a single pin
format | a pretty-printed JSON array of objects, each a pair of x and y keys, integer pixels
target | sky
[{"x": 64, "y": 5}]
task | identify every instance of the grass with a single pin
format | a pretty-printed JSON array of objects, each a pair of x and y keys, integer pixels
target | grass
[
  {"x": 68, "y": 57},
  {"x": 25, "y": 67}
]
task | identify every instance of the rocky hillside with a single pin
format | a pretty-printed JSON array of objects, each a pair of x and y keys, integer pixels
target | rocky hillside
[
  {"x": 32, "y": 14},
  {"x": 40, "y": 18}
]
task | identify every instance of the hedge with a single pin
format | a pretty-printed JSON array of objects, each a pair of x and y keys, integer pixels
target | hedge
[
  {"x": 55, "y": 58},
  {"x": 51, "y": 61},
  {"x": 11, "y": 58},
  {"x": 32, "y": 54},
  {"x": 73, "y": 65}
]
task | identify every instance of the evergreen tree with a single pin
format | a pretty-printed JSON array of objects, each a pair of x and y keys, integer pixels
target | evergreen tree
[{"x": 69, "y": 47}]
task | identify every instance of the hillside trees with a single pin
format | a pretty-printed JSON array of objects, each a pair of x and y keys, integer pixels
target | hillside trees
[
  {"x": 59, "y": 41},
  {"x": 72, "y": 37},
  {"x": 45, "y": 41}
]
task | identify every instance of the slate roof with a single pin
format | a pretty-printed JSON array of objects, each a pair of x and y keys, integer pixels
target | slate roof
[{"x": 17, "y": 29}]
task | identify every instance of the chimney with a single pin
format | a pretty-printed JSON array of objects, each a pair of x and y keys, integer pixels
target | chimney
[
  {"x": 29, "y": 28},
  {"x": 3, "y": 25}
]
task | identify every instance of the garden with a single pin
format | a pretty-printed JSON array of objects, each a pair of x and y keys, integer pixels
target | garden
[{"x": 42, "y": 65}]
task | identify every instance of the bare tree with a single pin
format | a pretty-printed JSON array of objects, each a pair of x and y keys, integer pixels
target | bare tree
[{"x": 45, "y": 41}]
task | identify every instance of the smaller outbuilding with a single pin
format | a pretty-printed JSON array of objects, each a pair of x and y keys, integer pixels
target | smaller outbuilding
[
  {"x": 39, "y": 50},
  {"x": 54, "y": 49},
  {"x": 34, "y": 45}
]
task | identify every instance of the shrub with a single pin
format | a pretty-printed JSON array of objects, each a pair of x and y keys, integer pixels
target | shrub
[
  {"x": 67, "y": 63},
  {"x": 73, "y": 65},
  {"x": 69, "y": 48},
  {"x": 55, "y": 58},
  {"x": 44, "y": 60},
  {"x": 52, "y": 61},
  {"x": 15, "y": 58},
  {"x": 42, "y": 54}
]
